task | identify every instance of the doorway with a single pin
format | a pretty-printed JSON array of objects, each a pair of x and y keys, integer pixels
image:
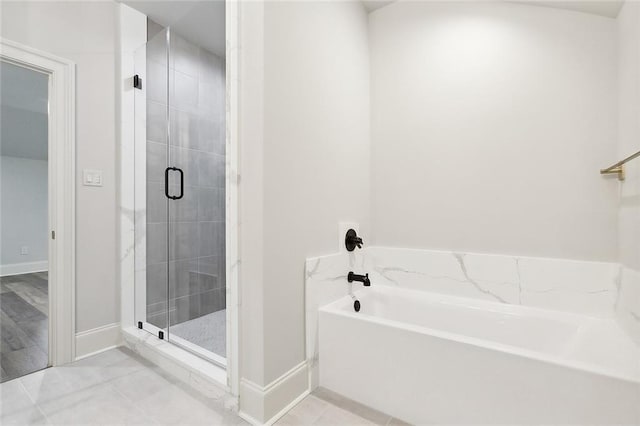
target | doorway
[
  {"x": 37, "y": 210},
  {"x": 24, "y": 254}
]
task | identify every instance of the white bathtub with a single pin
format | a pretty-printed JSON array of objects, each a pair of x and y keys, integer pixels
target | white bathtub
[{"x": 430, "y": 358}]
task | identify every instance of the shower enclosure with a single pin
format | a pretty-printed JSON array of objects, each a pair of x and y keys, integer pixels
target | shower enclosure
[{"x": 180, "y": 193}]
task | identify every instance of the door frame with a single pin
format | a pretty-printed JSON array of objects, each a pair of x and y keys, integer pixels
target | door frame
[
  {"x": 61, "y": 190},
  {"x": 232, "y": 210}
]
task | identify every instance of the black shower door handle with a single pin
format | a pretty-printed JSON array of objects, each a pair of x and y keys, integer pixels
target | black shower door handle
[{"x": 166, "y": 183}]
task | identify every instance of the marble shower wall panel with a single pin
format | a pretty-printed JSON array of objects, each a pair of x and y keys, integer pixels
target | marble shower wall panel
[
  {"x": 196, "y": 228},
  {"x": 561, "y": 284},
  {"x": 628, "y": 302},
  {"x": 325, "y": 281}
]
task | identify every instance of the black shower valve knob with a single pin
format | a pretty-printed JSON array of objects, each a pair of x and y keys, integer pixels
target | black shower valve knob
[{"x": 351, "y": 240}]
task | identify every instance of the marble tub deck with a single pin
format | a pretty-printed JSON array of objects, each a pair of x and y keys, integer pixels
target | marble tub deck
[{"x": 117, "y": 387}]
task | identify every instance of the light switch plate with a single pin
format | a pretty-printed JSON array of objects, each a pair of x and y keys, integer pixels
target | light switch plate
[{"x": 92, "y": 177}]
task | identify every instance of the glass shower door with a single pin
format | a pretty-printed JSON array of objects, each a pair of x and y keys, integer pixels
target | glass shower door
[
  {"x": 196, "y": 181},
  {"x": 151, "y": 204},
  {"x": 180, "y": 195}
]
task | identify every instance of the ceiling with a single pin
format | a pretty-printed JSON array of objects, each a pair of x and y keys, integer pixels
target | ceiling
[
  {"x": 200, "y": 22},
  {"x": 203, "y": 22},
  {"x": 608, "y": 8},
  {"x": 372, "y": 5},
  {"x": 23, "y": 112}
]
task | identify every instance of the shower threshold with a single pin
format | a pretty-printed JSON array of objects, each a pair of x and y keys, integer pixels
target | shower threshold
[
  {"x": 200, "y": 336},
  {"x": 195, "y": 370}
]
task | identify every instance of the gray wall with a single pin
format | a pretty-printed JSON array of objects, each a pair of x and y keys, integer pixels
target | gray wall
[
  {"x": 23, "y": 209},
  {"x": 23, "y": 168},
  {"x": 195, "y": 223}
]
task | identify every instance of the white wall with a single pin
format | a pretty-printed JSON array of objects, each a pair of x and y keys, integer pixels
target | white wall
[
  {"x": 316, "y": 157},
  {"x": 490, "y": 122},
  {"x": 250, "y": 191},
  {"x": 629, "y": 132},
  {"x": 23, "y": 210},
  {"x": 628, "y": 302},
  {"x": 84, "y": 32},
  {"x": 304, "y": 152}
]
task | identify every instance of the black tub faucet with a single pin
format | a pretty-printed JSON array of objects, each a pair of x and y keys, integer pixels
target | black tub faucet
[{"x": 364, "y": 279}]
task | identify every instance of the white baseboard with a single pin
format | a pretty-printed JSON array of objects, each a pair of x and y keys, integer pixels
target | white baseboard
[
  {"x": 98, "y": 340},
  {"x": 23, "y": 268},
  {"x": 265, "y": 405}
]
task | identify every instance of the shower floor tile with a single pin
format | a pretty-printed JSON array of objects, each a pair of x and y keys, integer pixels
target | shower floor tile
[{"x": 208, "y": 331}]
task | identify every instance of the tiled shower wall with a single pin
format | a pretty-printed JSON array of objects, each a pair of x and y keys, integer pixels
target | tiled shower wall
[{"x": 193, "y": 227}]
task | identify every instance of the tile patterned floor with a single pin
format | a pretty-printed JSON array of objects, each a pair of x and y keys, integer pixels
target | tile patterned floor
[
  {"x": 24, "y": 311},
  {"x": 117, "y": 387},
  {"x": 324, "y": 407}
]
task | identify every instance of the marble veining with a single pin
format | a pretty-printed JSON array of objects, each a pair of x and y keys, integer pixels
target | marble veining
[
  {"x": 127, "y": 218},
  {"x": 460, "y": 258}
]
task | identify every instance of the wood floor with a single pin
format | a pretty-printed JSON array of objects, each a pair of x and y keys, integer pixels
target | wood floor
[{"x": 24, "y": 312}]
